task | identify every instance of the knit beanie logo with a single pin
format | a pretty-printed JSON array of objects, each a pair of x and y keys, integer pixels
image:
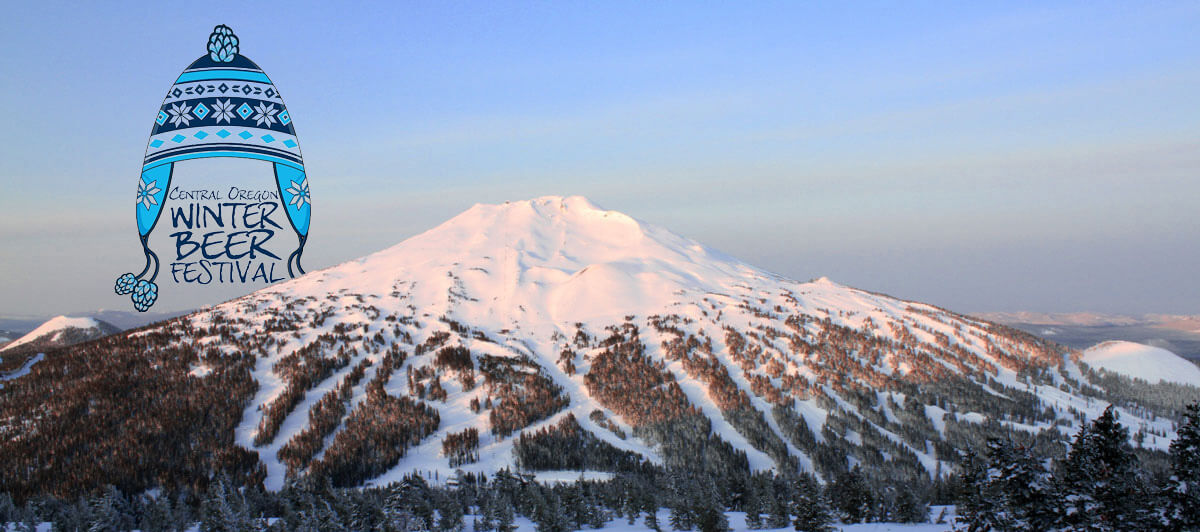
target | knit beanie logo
[{"x": 222, "y": 105}]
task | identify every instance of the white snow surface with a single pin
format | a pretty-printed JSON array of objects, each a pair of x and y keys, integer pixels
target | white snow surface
[
  {"x": 1152, "y": 364},
  {"x": 529, "y": 274},
  {"x": 536, "y": 261},
  {"x": 52, "y": 329},
  {"x": 23, "y": 370}
]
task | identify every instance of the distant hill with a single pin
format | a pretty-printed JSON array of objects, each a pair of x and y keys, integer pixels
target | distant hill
[
  {"x": 61, "y": 331},
  {"x": 14, "y": 326},
  {"x": 1081, "y": 330},
  {"x": 1149, "y": 363}
]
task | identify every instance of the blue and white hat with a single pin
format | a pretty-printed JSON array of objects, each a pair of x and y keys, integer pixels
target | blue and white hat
[{"x": 222, "y": 105}]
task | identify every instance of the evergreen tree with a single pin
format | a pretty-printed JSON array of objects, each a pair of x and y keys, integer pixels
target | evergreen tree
[
  {"x": 362, "y": 515},
  {"x": 851, "y": 496},
  {"x": 309, "y": 520},
  {"x": 109, "y": 511},
  {"x": 1099, "y": 480},
  {"x": 1023, "y": 487},
  {"x": 909, "y": 508},
  {"x": 1011, "y": 491},
  {"x": 708, "y": 506},
  {"x": 550, "y": 515},
  {"x": 450, "y": 514},
  {"x": 407, "y": 505},
  {"x": 650, "y": 506},
  {"x": 974, "y": 503},
  {"x": 683, "y": 495},
  {"x": 597, "y": 516},
  {"x": 710, "y": 518},
  {"x": 157, "y": 516},
  {"x": 486, "y": 518},
  {"x": 71, "y": 516},
  {"x": 327, "y": 517},
  {"x": 33, "y": 517},
  {"x": 630, "y": 507},
  {"x": 754, "y": 518},
  {"x": 809, "y": 510},
  {"x": 224, "y": 509},
  {"x": 681, "y": 516},
  {"x": 753, "y": 501},
  {"x": 8, "y": 510},
  {"x": 504, "y": 514},
  {"x": 1182, "y": 491},
  {"x": 574, "y": 506},
  {"x": 402, "y": 520},
  {"x": 777, "y": 494}
]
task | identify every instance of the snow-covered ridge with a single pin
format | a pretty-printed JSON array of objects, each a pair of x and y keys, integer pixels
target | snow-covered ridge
[
  {"x": 524, "y": 278},
  {"x": 54, "y": 330},
  {"x": 546, "y": 254},
  {"x": 1149, "y": 363}
]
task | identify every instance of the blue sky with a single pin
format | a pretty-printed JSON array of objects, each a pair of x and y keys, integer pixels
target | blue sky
[{"x": 979, "y": 156}]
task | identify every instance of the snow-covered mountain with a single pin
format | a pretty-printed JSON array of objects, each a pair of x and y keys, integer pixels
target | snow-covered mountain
[
  {"x": 1146, "y": 362},
  {"x": 551, "y": 334},
  {"x": 15, "y": 325},
  {"x": 60, "y": 331}
]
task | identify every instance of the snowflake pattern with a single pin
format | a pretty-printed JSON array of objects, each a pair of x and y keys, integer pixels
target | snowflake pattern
[
  {"x": 180, "y": 114},
  {"x": 299, "y": 192},
  {"x": 147, "y": 190},
  {"x": 223, "y": 111},
  {"x": 265, "y": 114}
]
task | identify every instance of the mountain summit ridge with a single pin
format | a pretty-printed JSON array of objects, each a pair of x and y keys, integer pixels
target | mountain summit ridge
[
  {"x": 551, "y": 250},
  {"x": 62, "y": 330},
  {"x": 551, "y": 334}
]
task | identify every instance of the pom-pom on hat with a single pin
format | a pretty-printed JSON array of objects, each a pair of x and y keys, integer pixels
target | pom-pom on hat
[{"x": 222, "y": 105}]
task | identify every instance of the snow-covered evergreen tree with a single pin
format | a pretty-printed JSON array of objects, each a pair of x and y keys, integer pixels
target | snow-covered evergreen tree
[
  {"x": 551, "y": 516},
  {"x": 1099, "y": 482},
  {"x": 224, "y": 508},
  {"x": 1182, "y": 492},
  {"x": 72, "y": 516},
  {"x": 976, "y": 501},
  {"x": 851, "y": 496},
  {"x": 810, "y": 512},
  {"x": 574, "y": 506},
  {"x": 908, "y": 508},
  {"x": 109, "y": 511},
  {"x": 450, "y": 514},
  {"x": 650, "y": 506},
  {"x": 776, "y": 497},
  {"x": 1012, "y": 490},
  {"x": 157, "y": 515},
  {"x": 504, "y": 514},
  {"x": 753, "y": 507},
  {"x": 597, "y": 516}
]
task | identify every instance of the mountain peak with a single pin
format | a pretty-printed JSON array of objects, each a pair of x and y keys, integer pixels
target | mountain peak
[
  {"x": 547, "y": 213},
  {"x": 544, "y": 253}
]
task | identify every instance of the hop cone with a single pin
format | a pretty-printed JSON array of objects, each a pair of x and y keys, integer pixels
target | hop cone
[
  {"x": 222, "y": 44},
  {"x": 125, "y": 284},
  {"x": 144, "y": 295}
]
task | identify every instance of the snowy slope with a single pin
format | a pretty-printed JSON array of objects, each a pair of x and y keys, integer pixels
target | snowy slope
[
  {"x": 1149, "y": 363},
  {"x": 62, "y": 330},
  {"x": 523, "y": 281}
]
